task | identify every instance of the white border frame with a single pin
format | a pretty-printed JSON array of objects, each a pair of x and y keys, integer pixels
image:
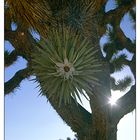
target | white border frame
[
  {"x": 2, "y": 70},
  {"x": 137, "y": 70}
]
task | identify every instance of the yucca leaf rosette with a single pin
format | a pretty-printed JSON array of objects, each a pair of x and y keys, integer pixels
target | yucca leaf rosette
[{"x": 66, "y": 65}]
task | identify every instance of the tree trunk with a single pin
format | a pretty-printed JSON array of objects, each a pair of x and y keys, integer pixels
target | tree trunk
[
  {"x": 104, "y": 126},
  {"x": 112, "y": 135},
  {"x": 100, "y": 125},
  {"x": 99, "y": 133}
]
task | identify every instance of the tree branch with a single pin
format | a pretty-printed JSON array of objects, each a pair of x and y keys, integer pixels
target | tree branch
[
  {"x": 125, "y": 104},
  {"x": 18, "y": 39},
  {"x": 125, "y": 42},
  {"x": 10, "y": 58},
  {"x": 15, "y": 81},
  {"x": 117, "y": 14},
  {"x": 7, "y": 19},
  {"x": 133, "y": 66},
  {"x": 99, "y": 4},
  {"x": 114, "y": 18},
  {"x": 74, "y": 115}
]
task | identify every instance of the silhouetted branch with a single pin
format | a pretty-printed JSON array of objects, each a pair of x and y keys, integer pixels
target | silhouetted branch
[
  {"x": 74, "y": 115},
  {"x": 15, "y": 81},
  {"x": 125, "y": 104},
  {"x": 114, "y": 17},
  {"x": 10, "y": 58},
  {"x": 117, "y": 14}
]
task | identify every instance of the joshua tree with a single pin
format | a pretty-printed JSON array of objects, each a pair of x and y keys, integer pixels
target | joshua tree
[{"x": 68, "y": 61}]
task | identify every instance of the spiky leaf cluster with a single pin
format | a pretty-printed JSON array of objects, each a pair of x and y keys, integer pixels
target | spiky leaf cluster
[
  {"x": 119, "y": 62},
  {"x": 121, "y": 84},
  {"x": 125, "y": 83},
  {"x": 65, "y": 65},
  {"x": 45, "y": 14},
  {"x": 76, "y": 14},
  {"x": 112, "y": 49},
  {"x": 30, "y": 13},
  {"x": 79, "y": 13},
  {"x": 113, "y": 44}
]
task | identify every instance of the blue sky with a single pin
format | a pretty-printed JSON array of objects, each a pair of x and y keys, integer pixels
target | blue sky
[{"x": 30, "y": 117}]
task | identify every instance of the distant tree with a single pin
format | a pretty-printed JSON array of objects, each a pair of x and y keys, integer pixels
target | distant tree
[{"x": 68, "y": 60}]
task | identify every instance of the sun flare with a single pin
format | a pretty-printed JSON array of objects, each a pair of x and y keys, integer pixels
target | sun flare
[
  {"x": 115, "y": 95},
  {"x": 112, "y": 100}
]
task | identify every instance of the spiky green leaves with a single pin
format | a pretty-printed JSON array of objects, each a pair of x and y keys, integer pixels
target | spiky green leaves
[
  {"x": 79, "y": 13},
  {"x": 66, "y": 65}
]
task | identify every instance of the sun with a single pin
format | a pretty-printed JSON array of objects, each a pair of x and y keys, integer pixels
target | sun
[
  {"x": 115, "y": 95},
  {"x": 112, "y": 101}
]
